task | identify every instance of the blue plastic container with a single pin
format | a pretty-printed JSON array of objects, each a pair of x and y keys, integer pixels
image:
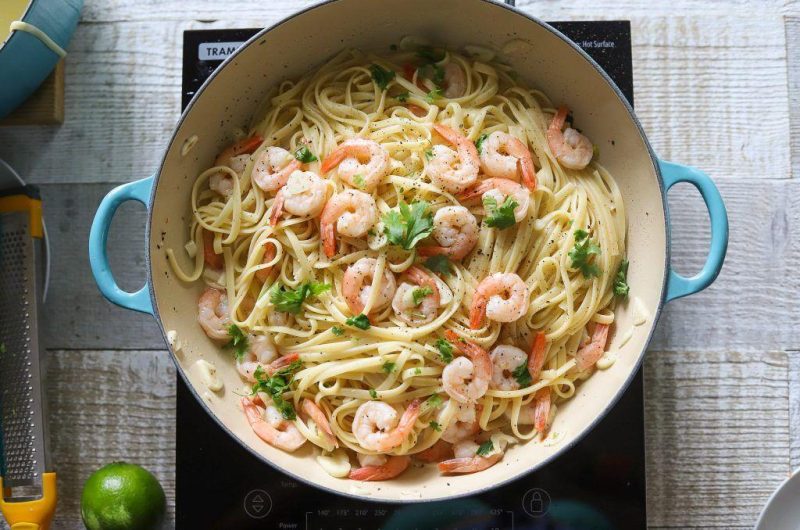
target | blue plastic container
[{"x": 25, "y": 61}]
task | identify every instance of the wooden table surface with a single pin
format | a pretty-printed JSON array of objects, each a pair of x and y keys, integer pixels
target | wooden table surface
[{"x": 717, "y": 87}]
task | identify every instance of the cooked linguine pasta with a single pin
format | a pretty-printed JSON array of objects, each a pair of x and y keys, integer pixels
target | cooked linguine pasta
[{"x": 411, "y": 257}]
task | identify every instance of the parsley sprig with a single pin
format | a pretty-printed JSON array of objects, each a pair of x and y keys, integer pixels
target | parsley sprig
[
  {"x": 276, "y": 385},
  {"x": 291, "y": 300},
  {"x": 439, "y": 263},
  {"x": 522, "y": 375},
  {"x": 621, "y": 287},
  {"x": 419, "y": 293},
  {"x": 479, "y": 142},
  {"x": 381, "y": 76},
  {"x": 388, "y": 367},
  {"x": 304, "y": 155},
  {"x": 408, "y": 225},
  {"x": 485, "y": 448},
  {"x": 500, "y": 217},
  {"x": 445, "y": 350},
  {"x": 359, "y": 321},
  {"x": 238, "y": 341},
  {"x": 582, "y": 252}
]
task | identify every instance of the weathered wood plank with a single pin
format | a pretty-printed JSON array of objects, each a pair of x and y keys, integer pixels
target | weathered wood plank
[
  {"x": 793, "y": 52},
  {"x": 711, "y": 91},
  {"x": 107, "y": 406},
  {"x": 717, "y": 442},
  {"x": 753, "y": 301},
  {"x": 76, "y": 315},
  {"x": 794, "y": 406}
]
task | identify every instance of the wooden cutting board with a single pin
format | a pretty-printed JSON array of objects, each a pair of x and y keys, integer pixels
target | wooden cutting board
[{"x": 45, "y": 106}]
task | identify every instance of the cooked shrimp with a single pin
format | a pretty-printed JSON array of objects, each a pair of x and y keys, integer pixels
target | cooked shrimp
[
  {"x": 536, "y": 358},
  {"x": 361, "y": 163},
  {"x": 353, "y": 212},
  {"x": 439, "y": 451},
  {"x": 213, "y": 314},
  {"x": 456, "y": 231},
  {"x": 320, "y": 420},
  {"x": 464, "y": 423},
  {"x": 456, "y": 170},
  {"x": 261, "y": 352},
  {"x": 590, "y": 353},
  {"x": 403, "y": 303},
  {"x": 467, "y": 459},
  {"x": 572, "y": 149},
  {"x": 270, "y": 252},
  {"x": 394, "y": 466},
  {"x": 506, "y": 359},
  {"x": 275, "y": 430},
  {"x": 466, "y": 380},
  {"x": 502, "y": 297},
  {"x": 303, "y": 195},
  {"x": 376, "y": 426},
  {"x": 505, "y": 156},
  {"x": 357, "y": 285},
  {"x": 211, "y": 258},
  {"x": 499, "y": 189},
  {"x": 273, "y": 167},
  {"x": 454, "y": 80},
  {"x": 541, "y": 409},
  {"x": 235, "y": 156}
]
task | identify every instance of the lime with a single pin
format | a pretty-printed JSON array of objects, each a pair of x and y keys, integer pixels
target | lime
[{"x": 122, "y": 496}]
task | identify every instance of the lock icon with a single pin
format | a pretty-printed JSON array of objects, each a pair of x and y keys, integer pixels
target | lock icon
[{"x": 536, "y": 502}]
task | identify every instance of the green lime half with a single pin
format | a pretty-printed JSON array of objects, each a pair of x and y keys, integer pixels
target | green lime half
[{"x": 122, "y": 496}]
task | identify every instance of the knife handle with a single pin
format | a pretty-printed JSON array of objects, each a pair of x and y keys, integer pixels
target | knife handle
[{"x": 32, "y": 515}]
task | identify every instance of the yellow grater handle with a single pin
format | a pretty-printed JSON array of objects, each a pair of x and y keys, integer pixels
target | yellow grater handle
[{"x": 32, "y": 515}]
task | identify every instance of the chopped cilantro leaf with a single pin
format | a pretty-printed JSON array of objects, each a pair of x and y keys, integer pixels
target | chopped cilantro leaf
[
  {"x": 304, "y": 155},
  {"x": 445, "y": 350},
  {"x": 435, "y": 426},
  {"x": 417, "y": 371},
  {"x": 359, "y": 181},
  {"x": 403, "y": 96},
  {"x": 439, "y": 263},
  {"x": 428, "y": 154},
  {"x": 479, "y": 142},
  {"x": 381, "y": 76},
  {"x": 373, "y": 394},
  {"x": 238, "y": 341},
  {"x": 433, "y": 402},
  {"x": 276, "y": 385},
  {"x": 359, "y": 321},
  {"x": 336, "y": 330},
  {"x": 419, "y": 293},
  {"x": 433, "y": 95},
  {"x": 407, "y": 225},
  {"x": 429, "y": 54},
  {"x": 388, "y": 367},
  {"x": 522, "y": 375},
  {"x": 621, "y": 287},
  {"x": 582, "y": 253},
  {"x": 291, "y": 300},
  {"x": 499, "y": 217},
  {"x": 434, "y": 72},
  {"x": 485, "y": 448}
]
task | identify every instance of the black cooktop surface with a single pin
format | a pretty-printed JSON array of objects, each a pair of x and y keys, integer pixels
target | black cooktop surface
[{"x": 598, "y": 484}]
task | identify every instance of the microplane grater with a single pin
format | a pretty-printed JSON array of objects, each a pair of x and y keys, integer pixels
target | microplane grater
[{"x": 23, "y": 431}]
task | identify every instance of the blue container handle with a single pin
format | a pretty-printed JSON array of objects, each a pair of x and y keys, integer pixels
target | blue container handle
[
  {"x": 677, "y": 285},
  {"x": 98, "y": 236}
]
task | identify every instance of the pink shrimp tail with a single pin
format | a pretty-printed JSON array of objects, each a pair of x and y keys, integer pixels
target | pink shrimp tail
[
  {"x": 328, "y": 239},
  {"x": 333, "y": 159},
  {"x": 277, "y": 209},
  {"x": 528, "y": 172},
  {"x": 477, "y": 311},
  {"x": 590, "y": 353},
  {"x": 282, "y": 362},
  {"x": 541, "y": 411},
  {"x": 211, "y": 258},
  {"x": 469, "y": 465},
  {"x": 536, "y": 358},
  {"x": 393, "y": 467}
]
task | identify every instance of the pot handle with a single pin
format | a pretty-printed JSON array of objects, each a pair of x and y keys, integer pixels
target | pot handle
[
  {"x": 138, "y": 190},
  {"x": 677, "y": 285}
]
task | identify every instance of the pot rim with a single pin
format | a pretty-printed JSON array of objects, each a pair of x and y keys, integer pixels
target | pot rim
[{"x": 564, "y": 448}]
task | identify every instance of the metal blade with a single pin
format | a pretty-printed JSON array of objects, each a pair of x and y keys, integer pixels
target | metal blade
[{"x": 23, "y": 437}]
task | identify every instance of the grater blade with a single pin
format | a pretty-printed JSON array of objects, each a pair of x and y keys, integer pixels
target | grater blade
[{"x": 23, "y": 437}]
